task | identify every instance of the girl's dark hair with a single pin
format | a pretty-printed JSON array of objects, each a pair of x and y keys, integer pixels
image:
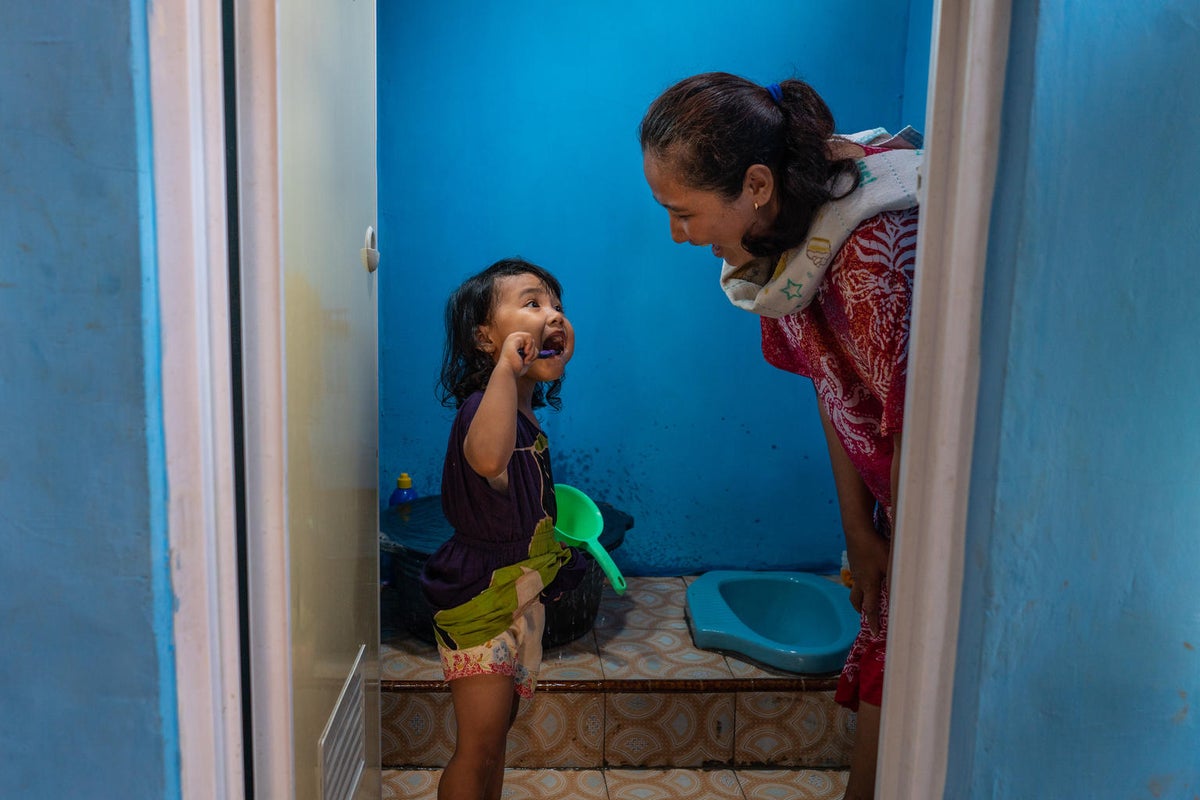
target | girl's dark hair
[
  {"x": 466, "y": 368},
  {"x": 712, "y": 127}
]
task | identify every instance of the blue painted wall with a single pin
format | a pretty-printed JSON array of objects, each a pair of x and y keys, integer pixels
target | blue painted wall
[
  {"x": 88, "y": 674},
  {"x": 511, "y": 129},
  {"x": 86, "y": 677},
  {"x": 1079, "y": 652},
  {"x": 916, "y": 63},
  {"x": 1079, "y": 657}
]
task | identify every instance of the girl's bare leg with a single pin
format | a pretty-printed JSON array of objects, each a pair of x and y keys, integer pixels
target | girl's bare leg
[
  {"x": 484, "y": 707},
  {"x": 496, "y": 783},
  {"x": 861, "y": 785}
]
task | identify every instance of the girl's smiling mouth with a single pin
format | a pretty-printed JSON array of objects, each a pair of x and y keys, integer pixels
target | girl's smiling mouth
[{"x": 553, "y": 345}]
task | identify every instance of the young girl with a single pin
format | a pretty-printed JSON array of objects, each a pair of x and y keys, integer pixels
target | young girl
[{"x": 507, "y": 345}]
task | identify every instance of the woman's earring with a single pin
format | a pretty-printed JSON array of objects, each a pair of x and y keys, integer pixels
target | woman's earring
[{"x": 756, "y": 206}]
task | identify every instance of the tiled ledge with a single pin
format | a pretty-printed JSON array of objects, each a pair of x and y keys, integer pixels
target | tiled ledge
[
  {"x": 801, "y": 683},
  {"x": 640, "y": 643},
  {"x": 632, "y": 692}
]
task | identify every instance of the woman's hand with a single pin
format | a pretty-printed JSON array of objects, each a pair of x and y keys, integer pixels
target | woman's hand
[
  {"x": 866, "y": 550},
  {"x": 868, "y": 553}
]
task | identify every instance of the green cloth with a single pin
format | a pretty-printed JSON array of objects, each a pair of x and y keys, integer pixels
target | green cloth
[{"x": 491, "y": 612}]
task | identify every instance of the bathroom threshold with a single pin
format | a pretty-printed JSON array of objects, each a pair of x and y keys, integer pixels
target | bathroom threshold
[
  {"x": 640, "y": 642},
  {"x": 632, "y": 784}
]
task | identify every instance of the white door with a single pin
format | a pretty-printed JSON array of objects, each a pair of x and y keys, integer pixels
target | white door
[{"x": 307, "y": 192}]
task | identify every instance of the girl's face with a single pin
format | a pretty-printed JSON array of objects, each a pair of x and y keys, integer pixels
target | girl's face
[
  {"x": 524, "y": 303},
  {"x": 704, "y": 217}
]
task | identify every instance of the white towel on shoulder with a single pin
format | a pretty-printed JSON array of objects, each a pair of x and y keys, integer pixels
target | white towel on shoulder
[{"x": 887, "y": 182}]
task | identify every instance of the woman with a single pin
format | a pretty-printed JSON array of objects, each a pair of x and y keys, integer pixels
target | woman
[{"x": 817, "y": 234}]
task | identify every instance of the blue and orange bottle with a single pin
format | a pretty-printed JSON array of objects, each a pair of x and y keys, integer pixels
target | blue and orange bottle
[
  {"x": 399, "y": 504},
  {"x": 402, "y": 498}
]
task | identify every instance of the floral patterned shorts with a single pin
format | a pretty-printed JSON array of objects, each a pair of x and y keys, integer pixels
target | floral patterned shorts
[{"x": 517, "y": 653}]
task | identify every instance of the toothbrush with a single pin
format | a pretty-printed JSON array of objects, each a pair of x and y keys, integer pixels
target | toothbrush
[{"x": 541, "y": 353}]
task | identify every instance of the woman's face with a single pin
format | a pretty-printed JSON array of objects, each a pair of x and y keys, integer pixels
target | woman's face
[{"x": 702, "y": 217}]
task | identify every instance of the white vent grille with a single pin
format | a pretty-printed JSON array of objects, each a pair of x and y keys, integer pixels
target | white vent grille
[{"x": 343, "y": 746}]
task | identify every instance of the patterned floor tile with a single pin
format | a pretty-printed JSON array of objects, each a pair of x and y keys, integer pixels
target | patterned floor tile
[
  {"x": 792, "y": 729},
  {"x": 743, "y": 666},
  {"x": 410, "y": 784},
  {"x": 519, "y": 784},
  {"x": 672, "y": 784},
  {"x": 792, "y": 784},
  {"x": 416, "y": 729},
  {"x": 549, "y": 784},
  {"x": 657, "y": 655},
  {"x": 405, "y": 658},
  {"x": 576, "y": 661},
  {"x": 636, "y": 784},
  {"x": 553, "y": 730},
  {"x": 558, "y": 730},
  {"x": 686, "y": 729},
  {"x": 649, "y": 603}
]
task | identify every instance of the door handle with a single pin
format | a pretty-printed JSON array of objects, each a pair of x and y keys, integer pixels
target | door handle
[{"x": 369, "y": 253}]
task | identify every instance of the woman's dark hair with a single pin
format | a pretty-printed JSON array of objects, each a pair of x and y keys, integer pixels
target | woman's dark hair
[
  {"x": 466, "y": 368},
  {"x": 712, "y": 127}
]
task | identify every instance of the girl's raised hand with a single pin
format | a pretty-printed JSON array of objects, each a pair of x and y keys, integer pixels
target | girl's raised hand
[{"x": 518, "y": 352}]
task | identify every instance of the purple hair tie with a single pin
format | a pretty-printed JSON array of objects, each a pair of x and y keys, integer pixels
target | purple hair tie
[{"x": 776, "y": 92}]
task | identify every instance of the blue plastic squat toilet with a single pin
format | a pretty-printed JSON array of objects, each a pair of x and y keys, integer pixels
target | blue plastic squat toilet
[{"x": 793, "y": 621}]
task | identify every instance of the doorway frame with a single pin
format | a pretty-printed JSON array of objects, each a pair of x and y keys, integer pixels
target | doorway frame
[
  {"x": 187, "y": 85},
  {"x": 191, "y": 241},
  {"x": 966, "y": 90},
  {"x": 968, "y": 58},
  {"x": 265, "y": 389}
]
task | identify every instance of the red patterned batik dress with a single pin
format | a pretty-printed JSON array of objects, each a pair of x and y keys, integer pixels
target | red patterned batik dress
[{"x": 852, "y": 340}]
